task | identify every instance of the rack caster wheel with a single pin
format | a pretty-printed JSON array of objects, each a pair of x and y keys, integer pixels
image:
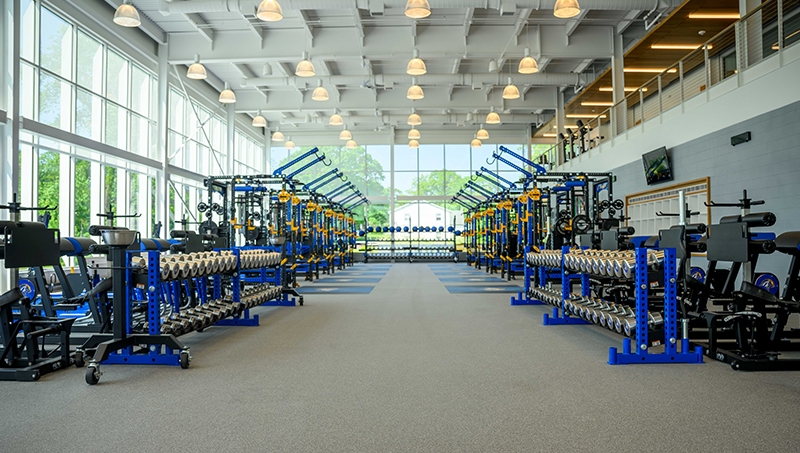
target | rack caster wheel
[
  {"x": 301, "y": 301},
  {"x": 93, "y": 374},
  {"x": 80, "y": 361},
  {"x": 185, "y": 358}
]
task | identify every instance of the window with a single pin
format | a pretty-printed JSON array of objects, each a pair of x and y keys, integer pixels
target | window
[{"x": 55, "y": 50}]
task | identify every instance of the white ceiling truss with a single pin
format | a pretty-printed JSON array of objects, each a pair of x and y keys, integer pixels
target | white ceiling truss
[{"x": 360, "y": 49}]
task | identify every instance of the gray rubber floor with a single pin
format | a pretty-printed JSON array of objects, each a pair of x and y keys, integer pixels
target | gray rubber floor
[{"x": 408, "y": 367}]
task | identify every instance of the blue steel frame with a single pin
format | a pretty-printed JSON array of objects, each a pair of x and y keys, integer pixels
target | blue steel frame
[
  {"x": 641, "y": 353},
  {"x": 566, "y": 284}
]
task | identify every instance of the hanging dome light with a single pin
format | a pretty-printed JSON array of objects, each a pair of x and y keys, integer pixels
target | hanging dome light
[
  {"x": 565, "y": 9},
  {"x": 277, "y": 136},
  {"x": 418, "y": 9},
  {"x": 345, "y": 134},
  {"x": 269, "y": 11},
  {"x": 413, "y": 144},
  {"x": 475, "y": 143},
  {"x": 196, "y": 71},
  {"x": 289, "y": 144},
  {"x": 320, "y": 93},
  {"x": 304, "y": 68},
  {"x": 414, "y": 119},
  {"x": 528, "y": 65},
  {"x": 483, "y": 134},
  {"x": 336, "y": 119},
  {"x": 227, "y": 96},
  {"x": 413, "y": 134},
  {"x": 259, "y": 120},
  {"x": 416, "y": 66},
  {"x": 351, "y": 144},
  {"x": 127, "y": 15},
  {"x": 415, "y": 91},
  {"x": 510, "y": 91},
  {"x": 493, "y": 117}
]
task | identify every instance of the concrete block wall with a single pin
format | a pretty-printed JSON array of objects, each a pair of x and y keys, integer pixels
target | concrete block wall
[{"x": 768, "y": 167}]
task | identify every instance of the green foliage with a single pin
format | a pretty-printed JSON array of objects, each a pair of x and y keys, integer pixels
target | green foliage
[
  {"x": 437, "y": 183},
  {"x": 83, "y": 188},
  {"x": 48, "y": 183}
]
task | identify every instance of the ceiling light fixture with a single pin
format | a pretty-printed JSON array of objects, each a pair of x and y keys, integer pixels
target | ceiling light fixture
[
  {"x": 320, "y": 93},
  {"x": 565, "y": 9},
  {"x": 550, "y": 134},
  {"x": 418, "y": 9},
  {"x": 413, "y": 144},
  {"x": 475, "y": 143},
  {"x": 196, "y": 71},
  {"x": 510, "y": 91},
  {"x": 267, "y": 71},
  {"x": 304, "y": 68},
  {"x": 492, "y": 117},
  {"x": 568, "y": 126},
  {"x": 336, "y": 119},
  {"x": 351, "y": 144},
  {"x": 277, "y": 136},
  {"x": 650, "y": 70},
  {"x": 259, "y": 120},
  {"x": 269, "y": 11},
  {"x": 714, "y": 16},
  {"x": 483, "y": 134},
  {"x": 627, "y": 89},
  {"x": 416, "y": 66},
  {"x": 227, "y": 96},
  {"x": 597, "y": 104},
  {"x": 528, "y": 65},
  {"x": 127, "y": 15},
  {"x": 289, "y": 144},
  {"x": 345, "y": 134},
  {"x": 678, "y": 46},
  {"x": 414, "y": 119},
  {"x": 584, "y": 115},
  {"x": 415, "y": 91},
  {"x": 493, "y": 66},
  {"x": 413, "y": 134}
]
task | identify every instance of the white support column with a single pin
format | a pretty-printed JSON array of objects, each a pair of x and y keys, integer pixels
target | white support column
[
  {"x": 6, "y": 34},
  {"x": 618, "y": 84},
  {"x": 560, "y": 122},
  {"x": 267, "y": 154},
  {"x": 391, "y": 180},
  {"x": 162, "y": 184},
  {"x": 231, "y": 137}
]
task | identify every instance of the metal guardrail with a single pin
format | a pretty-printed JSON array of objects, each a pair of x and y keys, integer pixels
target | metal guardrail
[{"x": 767, "y": 30}]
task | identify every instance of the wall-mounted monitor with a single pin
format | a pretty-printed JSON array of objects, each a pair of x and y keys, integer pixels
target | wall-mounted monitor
[{"x": 656, "y": 166}]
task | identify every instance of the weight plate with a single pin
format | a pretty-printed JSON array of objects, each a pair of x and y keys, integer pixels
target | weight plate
[
  {"x": 581, "y": 224},
  {"x": 612, "y": 212},
  {"x": 618, "y": 205},
  {"x": 202, "y": 207},
  {"x": 604, "y": 205},
  {"x": 209, "y": 227},
  {"x": 560, "y": 227},
  {"x": 564, "y": 214}
]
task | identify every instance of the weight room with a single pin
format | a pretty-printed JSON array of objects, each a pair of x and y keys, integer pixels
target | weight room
[{"x": 399, "y": 225}]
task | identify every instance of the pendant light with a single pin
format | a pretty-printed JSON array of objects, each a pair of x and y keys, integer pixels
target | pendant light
[
  {"x": 418, "y": 9},
  {"x": 565, "y": 9},
  {"x": 259, "y": 120},
  {"x": 320, "y": 93},
  {"x": 304, "y": 68},
  {"x": 269, "y": 11},
  {"x": 289, "y": 144},
  {"x": 492, "y": 117},
  {"x": 227, "y": 96},
  {"x": 413, "y": 144},
  {"x": 336, "y": 119},
  {"x": 416, "y": 66},
  {"x": 510, "y": 91},
  {"x": 277, "y": 136},
  {"x": 475, "y": 143},
  {"x": 415, "y": 91},
  {"x": 414, "y": 119},
  {"x": 345, "y": 134},
  {"x": 528, "y": 65},
  {"x": 127, "y": 15},
  {"x": 483, "y": 134},
  {"x": 351, "y": 144},
  {"x": 413, "y": 134},
  {"x": 196, "y": 71}
]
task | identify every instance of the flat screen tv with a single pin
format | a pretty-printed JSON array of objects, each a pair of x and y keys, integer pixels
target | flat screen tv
[{"x": 656, "y": 166}]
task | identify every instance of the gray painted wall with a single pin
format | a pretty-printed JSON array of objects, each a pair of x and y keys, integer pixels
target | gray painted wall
[{"x": 768, "y": 167}]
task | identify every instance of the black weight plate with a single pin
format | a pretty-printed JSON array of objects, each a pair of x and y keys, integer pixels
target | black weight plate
[
  {"x": 252, "y": 235},
  {"x": 604, "y": 205},
  {"x": 202, "y": 207},
  {"x": 581, "y": 224},
  {"x": 618, "y": 205},
  {"x": 208, "y": 226},
  {"x": 560, "y": 227},
  {"x": 564, "y": 214},
  {"x": 612, "y": 212}
]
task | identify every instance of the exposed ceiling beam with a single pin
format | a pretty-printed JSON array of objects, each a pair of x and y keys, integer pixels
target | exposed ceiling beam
[
  {"x": 468, "y": 23},
  {"x": 573, "y": 23},
  {"x": 386, "y": 43},
  {"x": 627, "y": 20},
  {"x": 583, "y": 65},
  {"x": 199, "y": 24},
  {"x": 456, "y": 65},
  {"x": 359, "y": 25},
  {"x": 307, "y": 26},
  {"x": 325, "y": 68},
  {"x": 253, "y": 23}
]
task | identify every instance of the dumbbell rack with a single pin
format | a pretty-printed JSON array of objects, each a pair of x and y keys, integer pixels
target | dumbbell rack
[
  {"x": 523, "y": 298},
  {"x": 566, "y": 283}
]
